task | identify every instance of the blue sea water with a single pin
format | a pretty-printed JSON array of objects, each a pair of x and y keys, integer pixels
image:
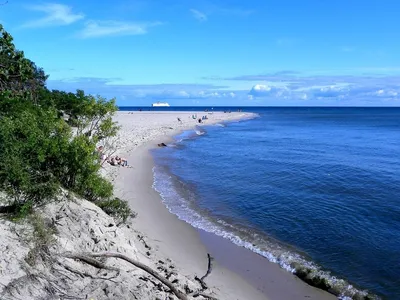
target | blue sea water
[{"x": 315, "y": 187}]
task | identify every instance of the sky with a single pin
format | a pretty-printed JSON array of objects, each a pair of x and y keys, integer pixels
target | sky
[{"x": 220, "y": 52}]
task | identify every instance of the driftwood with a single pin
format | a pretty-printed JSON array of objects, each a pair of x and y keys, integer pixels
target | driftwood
[
  {"x": 90, "y": 261},
  {"x": 209, "y": 269},
  {"x": 89, "y": 258}
]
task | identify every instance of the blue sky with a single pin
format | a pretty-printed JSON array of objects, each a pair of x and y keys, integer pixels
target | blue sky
[{"x": 253, "y": 52}]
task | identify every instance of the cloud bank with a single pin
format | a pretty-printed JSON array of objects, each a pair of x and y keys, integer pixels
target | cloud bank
[{"x": 281, "y": 88}]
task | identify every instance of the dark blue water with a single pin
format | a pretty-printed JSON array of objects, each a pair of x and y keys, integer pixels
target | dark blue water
[{"x": 318, "y": 187}]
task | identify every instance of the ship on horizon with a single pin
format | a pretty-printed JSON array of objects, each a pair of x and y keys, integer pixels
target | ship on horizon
[{"x": 158, "y": 104}]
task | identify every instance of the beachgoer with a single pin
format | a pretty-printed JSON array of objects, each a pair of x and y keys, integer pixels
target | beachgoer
[
  {"x": 113, "y": 162},
  {"x": 123, "y": 162}
]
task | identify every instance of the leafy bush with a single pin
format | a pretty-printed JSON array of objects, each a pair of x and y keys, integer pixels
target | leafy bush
[
  {"x": 96, "y": 188},
  {"x": 28, "y": 148},
  {"x": 117, "y": 208}
]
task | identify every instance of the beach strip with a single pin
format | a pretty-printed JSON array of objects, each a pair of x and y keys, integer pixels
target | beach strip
[{"x": 237, "y": 272}]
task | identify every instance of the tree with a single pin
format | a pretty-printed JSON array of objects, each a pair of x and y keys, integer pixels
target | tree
[
  {"x": 18, "y": 74},
  {"x": 48, "y": 138}
]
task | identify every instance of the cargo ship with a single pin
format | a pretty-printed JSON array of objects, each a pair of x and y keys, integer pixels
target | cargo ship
[{"x": 158, "y": 104}]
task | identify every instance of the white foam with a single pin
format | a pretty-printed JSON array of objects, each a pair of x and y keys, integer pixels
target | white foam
[{"x": 198, "y": 132}]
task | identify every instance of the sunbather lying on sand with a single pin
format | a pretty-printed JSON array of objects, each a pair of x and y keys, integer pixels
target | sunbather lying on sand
[
  {"x": 121, "y": 161},
  {"x": 112, "y": 161}
]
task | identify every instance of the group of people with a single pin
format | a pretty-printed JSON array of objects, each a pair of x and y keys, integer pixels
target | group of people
[
  {"x": 200, "y": 120},
  {"x": 203, "y": 118},
  {"x": 117, "y": 161},
  {"x": 114, "y": 161}
]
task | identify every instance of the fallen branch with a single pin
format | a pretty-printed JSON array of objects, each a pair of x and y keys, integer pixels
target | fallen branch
[
  {"x": 209, "y": 269},
  {"x": 91, "y": 261},
  {"x": 88, "y": 258}
]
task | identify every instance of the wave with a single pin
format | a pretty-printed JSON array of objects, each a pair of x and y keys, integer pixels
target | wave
[
  {"x": 179, "y": 199},
  {"x": 199, "y": 130}
]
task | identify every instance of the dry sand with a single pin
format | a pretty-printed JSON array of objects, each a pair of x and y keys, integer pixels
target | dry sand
[{"x": 238, "y": 273}]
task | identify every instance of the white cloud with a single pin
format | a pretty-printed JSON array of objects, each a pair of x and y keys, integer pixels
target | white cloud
[
  {"x": 330, "y": 91},
  {"x": 199, "y": 15},
  {"x": 303, "y": 96},
  {"x": 94, "y": 29},
  {"x": 260, "y": 90},
  {"x": 386, "y": 93},
  {"x": 56, "y": 15}
]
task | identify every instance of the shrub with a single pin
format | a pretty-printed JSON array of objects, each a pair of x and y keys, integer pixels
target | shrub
[
  {"x": 117, "y": 208},
  {"x": 96, "y": 188},
  {"x": 27, "y": 147}
]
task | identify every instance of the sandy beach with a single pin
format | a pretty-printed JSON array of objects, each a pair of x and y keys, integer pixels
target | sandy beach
[{"x": 237, "y": 272}]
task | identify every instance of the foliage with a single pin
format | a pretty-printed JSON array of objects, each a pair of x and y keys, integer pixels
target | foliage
[
  {"x": 18, "y": 74},
  {"x": 48, "y": 138},
  {"x": 92, "y": 116},
  {"x": 116, "y": 208},
  {"x": 29, "y": 146}
]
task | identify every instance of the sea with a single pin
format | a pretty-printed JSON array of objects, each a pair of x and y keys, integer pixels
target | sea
[{"x": 315, "y": 188}]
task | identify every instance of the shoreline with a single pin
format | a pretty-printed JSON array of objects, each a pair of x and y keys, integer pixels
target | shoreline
[{"x": 242, "y": 274}]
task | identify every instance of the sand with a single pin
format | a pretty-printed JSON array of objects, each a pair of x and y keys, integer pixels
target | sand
[{"x": 237, "y": 273}]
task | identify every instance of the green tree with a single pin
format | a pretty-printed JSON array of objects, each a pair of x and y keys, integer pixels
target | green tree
[
  {"x": 48, "y": 138},
  {"x": 18, "y": 75}
]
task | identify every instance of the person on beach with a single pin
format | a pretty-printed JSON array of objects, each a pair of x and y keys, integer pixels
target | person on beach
[
  {"x": 179, "y": 120},
  {"x": 113, "y": 161},
  {"x": 102, "y": 155},
  {"x": 121, "y": 161}
]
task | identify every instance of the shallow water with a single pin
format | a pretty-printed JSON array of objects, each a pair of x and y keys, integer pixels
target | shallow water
[{"x": 302, "y": 186}]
